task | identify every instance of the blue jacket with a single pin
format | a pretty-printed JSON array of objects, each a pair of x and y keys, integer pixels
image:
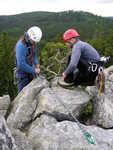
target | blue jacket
[
  {"x": 21, "y": 52},
  {"x": 84, "y": 51}
]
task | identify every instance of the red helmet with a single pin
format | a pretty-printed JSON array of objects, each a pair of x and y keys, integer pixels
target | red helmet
[{"x": 69, "y": 34}]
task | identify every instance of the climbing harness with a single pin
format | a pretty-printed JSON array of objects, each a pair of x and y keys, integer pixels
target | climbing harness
[
  {"x": 100, "y": 79},
  {"x": 93, "y": 67},
  {"x": 99, "y": 67}
]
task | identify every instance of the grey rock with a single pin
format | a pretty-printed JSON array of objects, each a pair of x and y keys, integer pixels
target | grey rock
[
  {"x": 4, "y": 104},
  {"x": 54, "y": 82},
  {"x": 108, "y": 71},
  {"x": 48, "y": 134},
  {"x": 21, "y": 140},
  {"x": 40, "y": 118},
  {"x": 25, "y": 104},
  {"x": 103, "y": 104},
  {"x": 7, "y": 142},
  {"x": 57, "y": 81},
  {"x": 59, "y": 102}
]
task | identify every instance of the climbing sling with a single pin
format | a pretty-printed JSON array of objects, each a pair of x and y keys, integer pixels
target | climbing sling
[{"x": 100, "y": 79}]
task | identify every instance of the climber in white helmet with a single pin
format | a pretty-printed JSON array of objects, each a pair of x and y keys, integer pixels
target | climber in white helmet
[
  {"x": 26, "y": 56},
  {"x": 35, "y": 34}
]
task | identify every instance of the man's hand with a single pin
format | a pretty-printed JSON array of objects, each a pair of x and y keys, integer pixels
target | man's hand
[{"x": 63, "y": 76}]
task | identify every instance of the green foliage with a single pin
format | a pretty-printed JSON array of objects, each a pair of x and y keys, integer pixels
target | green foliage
[
  {"x": 86, "y": 112},
  {"x": 51, "y": 55},
  {"x": 52, "y": 23},
  {"x": 104, "y": 45},
  {"x": 6, "y": 65}
]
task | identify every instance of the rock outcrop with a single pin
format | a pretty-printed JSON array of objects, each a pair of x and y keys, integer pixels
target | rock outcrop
[
  {"x": 47, "y": 133},
  {"x": 25, "y": 104},
  {"x": 59, "y": 102},
  {"x": 7, "y": 142},
  {"x": 103, "y": 104},
  {"x": 40, "y": 118},
  {"x": 21, "y": 140},
  {"x": 4, "y": 104}
]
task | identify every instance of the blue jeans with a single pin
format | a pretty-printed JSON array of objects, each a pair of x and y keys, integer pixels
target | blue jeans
[{"x": 23, "y": 79}]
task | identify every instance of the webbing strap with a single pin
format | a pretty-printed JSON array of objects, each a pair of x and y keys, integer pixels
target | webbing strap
[{"x": 100, "y": 81}]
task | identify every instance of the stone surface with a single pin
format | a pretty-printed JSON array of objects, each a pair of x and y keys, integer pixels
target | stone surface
[
  {"x": 21, "y": 140},
  {"x": 59, "y": 102},
  {"x": 7, "y": 142},
  {"x": 40, "y": 118},
  {"x": 103, "y": 104},
  {"x": 25, "y": 104},
  {"x": 4, "y": 104},
  {"x": 48, "y": 134}
]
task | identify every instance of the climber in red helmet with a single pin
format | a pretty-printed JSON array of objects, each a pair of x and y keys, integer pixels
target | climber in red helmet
[
  {"x": 69, "y": 34},
  {"x": 83, "y": 62}
]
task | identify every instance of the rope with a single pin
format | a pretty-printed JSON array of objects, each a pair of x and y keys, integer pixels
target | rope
[{"x": 87, "y": 135}]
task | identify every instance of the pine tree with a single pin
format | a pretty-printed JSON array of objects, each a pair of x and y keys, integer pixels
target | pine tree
[{"x": 6, "y": 65}]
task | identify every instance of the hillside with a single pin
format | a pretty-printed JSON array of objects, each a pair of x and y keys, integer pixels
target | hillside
[
  {"x": 53, "y": 23},
  {"x": 110, "y": 17}
]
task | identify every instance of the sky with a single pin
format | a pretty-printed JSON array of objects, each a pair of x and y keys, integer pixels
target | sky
[{"x": 97, "y": 7}]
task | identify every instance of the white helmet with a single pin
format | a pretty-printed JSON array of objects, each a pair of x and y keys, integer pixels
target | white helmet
[{"x": 35, "y": 33}]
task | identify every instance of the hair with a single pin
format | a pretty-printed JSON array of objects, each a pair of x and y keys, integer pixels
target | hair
[{"x": 23, "y": 39}]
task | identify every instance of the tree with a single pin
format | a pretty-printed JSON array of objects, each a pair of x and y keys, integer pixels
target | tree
[
  {"x": 52, "y": 57},
  {"x": 6, "y": 65}
]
